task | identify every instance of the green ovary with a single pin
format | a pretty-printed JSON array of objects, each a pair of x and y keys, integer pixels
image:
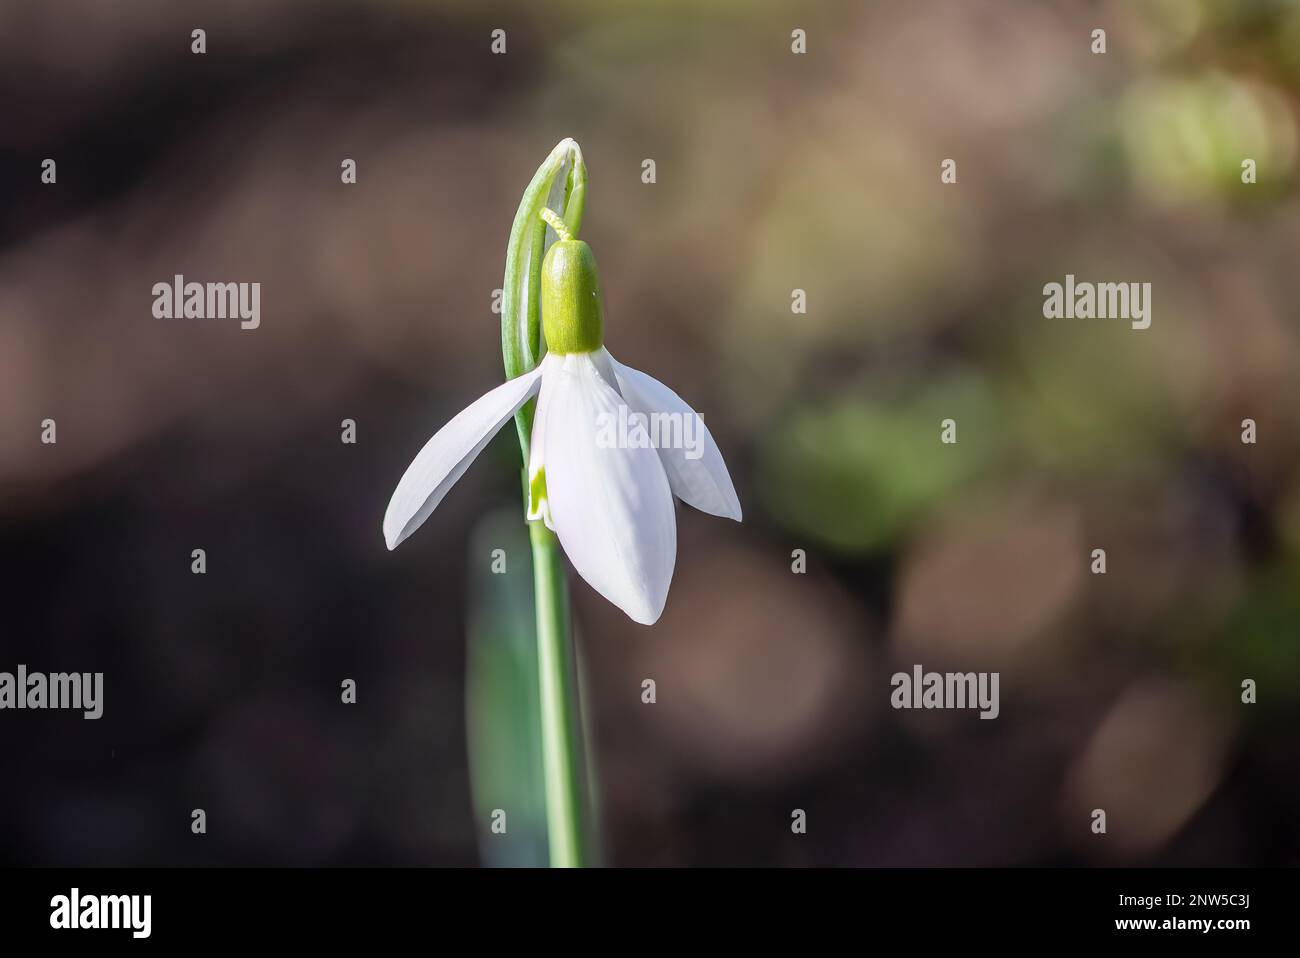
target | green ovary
[{"x": 572, "y": 307}]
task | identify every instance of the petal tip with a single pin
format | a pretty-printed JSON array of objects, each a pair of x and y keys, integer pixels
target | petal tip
[
  {"x": 393, "y": 534},
  {"x": 644, "y": 616},
  {"x": 645, "y": 608}
]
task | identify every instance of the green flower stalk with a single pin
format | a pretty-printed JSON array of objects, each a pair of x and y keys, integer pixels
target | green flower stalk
[{"x": 600, "y": 479}]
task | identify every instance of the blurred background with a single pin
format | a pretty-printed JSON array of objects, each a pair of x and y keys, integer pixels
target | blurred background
[{"x": 774, "y": 172}]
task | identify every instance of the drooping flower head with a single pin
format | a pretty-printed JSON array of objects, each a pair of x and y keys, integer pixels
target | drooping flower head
[{"x": 601, "y": 472}]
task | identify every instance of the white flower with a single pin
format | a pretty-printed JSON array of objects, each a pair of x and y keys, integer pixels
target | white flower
[{"x": 610, "y": 505}]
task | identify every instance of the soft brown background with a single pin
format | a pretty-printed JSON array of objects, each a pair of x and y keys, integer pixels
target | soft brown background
[{"x": 775, "y": 171}]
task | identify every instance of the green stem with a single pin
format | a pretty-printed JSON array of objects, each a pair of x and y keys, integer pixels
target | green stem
[
  {"x": 554, "y": 221},
  {"x": 562, "y": 758}
]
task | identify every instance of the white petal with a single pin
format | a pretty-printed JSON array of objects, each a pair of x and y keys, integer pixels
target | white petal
[
  {"x": 537, "y": 447},
  {"x": 613, "y": 508},
  {"x": 448, "y": 454},
  {"x": 605, "y": 366},
  {"x": 698, "y": 475}
]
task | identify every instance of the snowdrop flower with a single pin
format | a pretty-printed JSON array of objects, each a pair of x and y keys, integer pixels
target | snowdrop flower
[{"x": 610, "y": 504}]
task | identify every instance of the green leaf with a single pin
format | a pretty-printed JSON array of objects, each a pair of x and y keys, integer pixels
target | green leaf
[
  {"x": 502, "y": 706},
  {"x": 521, "y": 345}
]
